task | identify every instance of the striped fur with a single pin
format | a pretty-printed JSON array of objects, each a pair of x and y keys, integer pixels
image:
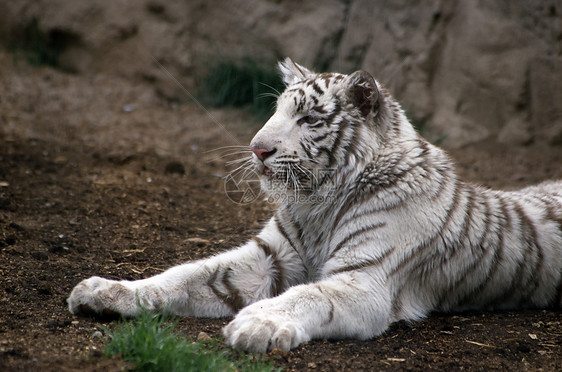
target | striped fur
[{"x": 373, "y": 226}]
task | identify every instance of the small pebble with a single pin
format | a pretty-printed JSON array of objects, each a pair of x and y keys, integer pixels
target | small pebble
[
  {"x": 200, "y": 242},
  {"x": 278, "y": 354},
  {"x": 202, "y": 336}
]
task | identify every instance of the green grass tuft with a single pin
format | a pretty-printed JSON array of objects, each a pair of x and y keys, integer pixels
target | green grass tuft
[
  {"x": 35, "y": 47},
  {"x": 241, "y": 83},
  {"x": 149, "y": 342}
]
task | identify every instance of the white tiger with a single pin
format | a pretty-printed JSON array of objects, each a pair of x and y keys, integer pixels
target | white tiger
[{"x": 382, "y": 230}]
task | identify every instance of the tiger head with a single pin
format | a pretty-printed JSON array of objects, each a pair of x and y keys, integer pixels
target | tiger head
[{"x": 325, "y": 129}]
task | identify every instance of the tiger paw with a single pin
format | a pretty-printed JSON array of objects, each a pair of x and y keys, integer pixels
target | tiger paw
[
  {"x": 97, "y": 296},
  {"x": 258, "y": 331}
]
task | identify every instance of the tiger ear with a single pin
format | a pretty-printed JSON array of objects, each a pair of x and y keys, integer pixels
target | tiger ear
[
  {"x": 363, "y": 92},
  {"x": 292, "y": 72}
]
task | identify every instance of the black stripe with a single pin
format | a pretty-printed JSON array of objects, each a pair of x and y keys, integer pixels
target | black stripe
[
  {"x": 317, "y": 88},
  {"x": 352, "y": 200},
  {"x": 470, "y": 206},
  {"x": 279, "y": 273},
  {"x": 518, "y": 276},
  {"x": 326, "y": 77},
  {"x": 467, "y": 224},
  {"x": 366, "y": 213},
  {"x": 365, "y": 264},
  {"x": 487, "y": 225},
  {"x": 424, "y": 145},
  {"x": 291, "y": 242},
  {"x": 233, "y": 299},
  {"x": 551, "y": 212},
  {"x": 284, "y": 233},
  {"x": 314, "y": 99},
  {"x": 326, "y": 150},
  {"x": 498, "y": 257},
  {"x": 306, "y": 150},
  {"x": 298, "y": 227},
  {"x": 352, "y": 147},
  {"x": 395, "y": 126},
  {"x": 319, "y": 109},
  {"x": 322, "y": 136},
  {"x": 301, "y": 104},
  {"x": 334, "y": 114},
  {"x": 356, "y": 233},
  {"x": 483, "y": 251},
  {"x": 534, "y": 275},
  {"x": 441, "y": 186},
  {"x": 335, "y": 146}
]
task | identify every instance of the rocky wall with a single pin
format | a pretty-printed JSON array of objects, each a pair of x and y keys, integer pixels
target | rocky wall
[{"x": 465, "y": 70}]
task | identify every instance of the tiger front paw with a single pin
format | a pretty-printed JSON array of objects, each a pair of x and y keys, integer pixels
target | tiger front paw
[
  {"x": 256, "y": 330},
  {"x": 100, "y": 296}
]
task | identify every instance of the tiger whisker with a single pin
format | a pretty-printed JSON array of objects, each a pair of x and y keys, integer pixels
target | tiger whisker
[
  {"x": 269, "y": 94},
  {"x": 226, "y": 155},
  {"x": 241, "y": 173},
  {"x": 276, "y": 94},
  {"x": 241, "y": 168},
  {"x": 237, "y": 161},
  {"x": 296, "y": 184},
  {"x": 305, "y": 171},
  {"x": 226, "y": 148}
]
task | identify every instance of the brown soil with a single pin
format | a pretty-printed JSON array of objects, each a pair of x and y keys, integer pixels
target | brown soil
[{"x": 100, "y": 176}]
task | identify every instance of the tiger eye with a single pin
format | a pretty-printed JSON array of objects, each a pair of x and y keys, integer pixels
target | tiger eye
[{"x": 308, "y": 119}]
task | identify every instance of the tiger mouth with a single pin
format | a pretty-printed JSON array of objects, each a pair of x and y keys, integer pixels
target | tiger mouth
[{"x": 272, "y": 175}]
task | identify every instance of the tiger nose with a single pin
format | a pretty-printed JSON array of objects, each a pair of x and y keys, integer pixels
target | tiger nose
[{"x": 262, "y": 153}]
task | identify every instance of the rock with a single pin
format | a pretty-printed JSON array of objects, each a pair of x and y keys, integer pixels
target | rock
[{"x": 202, "y": 337}]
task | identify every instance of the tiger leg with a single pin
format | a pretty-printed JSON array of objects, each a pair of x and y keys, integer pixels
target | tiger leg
[
  {"x": 215, "y": 287},
  {"x": 346, "y": 305}
]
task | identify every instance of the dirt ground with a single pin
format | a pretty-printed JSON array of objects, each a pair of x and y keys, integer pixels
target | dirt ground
[{"x": 100, "y": 176}]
